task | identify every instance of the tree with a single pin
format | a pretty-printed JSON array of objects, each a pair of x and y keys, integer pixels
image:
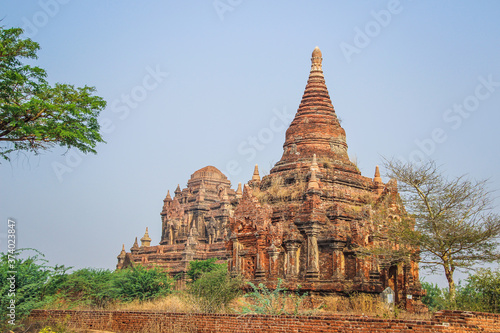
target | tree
[
  {"x": 215, "y": 289},
  {"x": 198, "y": 267},
  {"x": 36, "y": 116},
  {"x": 455, "y": 226}
]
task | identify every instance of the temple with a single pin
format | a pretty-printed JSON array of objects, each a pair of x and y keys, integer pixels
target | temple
[
  {"x": 313, "y": 222},
  {"x": 195, "y": 225}
]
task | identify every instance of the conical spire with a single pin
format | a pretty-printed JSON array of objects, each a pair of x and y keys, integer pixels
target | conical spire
[
  {"x": 177, "y": 190},
  {"x": 315, "y": 128},
  {"x": 256, "y": 176},
  {"x": 168, "y": 197},
  {"x": 134, "y": 247},
  {"x": 379, "y": 185},
  {"x": 122, "y": 253},
  {"x": 313, "y": 181},
  {"x": 314, "y": 164},
  {"x": 146, "y": 240},
  {"x": 377, "y": 178},
  {"x": 239, "y": 192}
]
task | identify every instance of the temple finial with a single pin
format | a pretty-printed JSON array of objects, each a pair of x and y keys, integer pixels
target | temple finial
[
  {"x": 377, "y": 178},
  {"x": 316, "y": 60},
  {"x": 314, "y": 164},
  {"x": 239, "y": 192},
  {"x": 256, "y": 176},
  {"x": 146, "y": 240},
  {"x": 168, "y": 195},
  {"x": 177, "y": 190},
  {"x": 313, "y": 181}
]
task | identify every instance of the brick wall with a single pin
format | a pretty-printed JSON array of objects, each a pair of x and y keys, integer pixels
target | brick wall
[{"x": 130, "y": 321}]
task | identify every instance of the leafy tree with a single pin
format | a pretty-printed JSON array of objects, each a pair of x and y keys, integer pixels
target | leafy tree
[
  {"x": 89, "y": 286},
  {"x": 36, "y": 116},
  {"x": 24, "y": 282},
  {"x": 214, "y": 290},
  {"x": 455, "y": 226},
  {"x": 198, "y": 267},
  {"x": 481, "y": 292},
  {"x": 141, "y": 283}
]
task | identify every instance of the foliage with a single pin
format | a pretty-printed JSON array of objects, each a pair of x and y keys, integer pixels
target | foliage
[
  {"x": 455, "y": 226},
  {"x": 214, "y": 290},
  {"x": 92, "y": 287},
  {"x": 36, "y": 116},
  {"x": 481, "y": 292},
  {"x": 140, "y": 283},
  {"x": 198, "y": 267},
  {"x": 31, "y": 277},
  {"x": 272, "y": 302},
  {"x": 435, "y": 298},
  {"x": 38, "y": 285}
]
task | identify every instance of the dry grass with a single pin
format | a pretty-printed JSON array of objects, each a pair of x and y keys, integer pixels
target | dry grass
[
  {"x": 368, "y": 305},
  {"x": 279, "y": 192},
  {"x": 172, "y": 303}
]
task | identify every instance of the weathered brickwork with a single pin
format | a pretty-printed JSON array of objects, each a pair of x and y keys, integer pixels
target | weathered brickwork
[
  {"x": 311, "y": 222},
  {"x": 121, "y": 321},
  {"x": 195, "y": 224}
]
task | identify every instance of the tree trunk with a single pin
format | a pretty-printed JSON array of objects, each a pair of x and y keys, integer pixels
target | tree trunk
[{"x": 448, "y": 271}]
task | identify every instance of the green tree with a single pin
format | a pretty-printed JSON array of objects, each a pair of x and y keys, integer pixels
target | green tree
[
  {"x": 24, "y": 282},
  {"x": 36, "y": 116},
  {"x": 92, "y": 287},
  {"x": 455, "y": 226},
  {"x": 481, "y": 292},
  {"x": 198, "y": 267},
  {"x": 140, "y": 283},
  {"x": 215, "y": 289}
]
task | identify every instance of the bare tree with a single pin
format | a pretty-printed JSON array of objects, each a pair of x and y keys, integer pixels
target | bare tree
[{"x": 455, "y": 225}]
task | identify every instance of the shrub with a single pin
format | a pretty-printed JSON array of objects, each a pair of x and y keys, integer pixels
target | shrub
[
  {"x": 30, "y": 281},
  {"x": 140, "y": 283},
  {"x": 214, "y": 290},
  {"x": 272, "y": 302},
  {"x": 198, "y": 267}
]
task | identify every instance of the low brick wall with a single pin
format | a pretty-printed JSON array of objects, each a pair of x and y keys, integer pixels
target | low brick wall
[{"x": 131, "y": 321}]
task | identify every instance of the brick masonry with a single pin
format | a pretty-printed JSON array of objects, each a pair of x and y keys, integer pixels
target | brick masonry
[{"x": 131, "y": 321}]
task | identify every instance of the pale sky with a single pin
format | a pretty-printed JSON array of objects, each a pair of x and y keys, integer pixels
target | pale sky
[{"x": 197, "y": 83}]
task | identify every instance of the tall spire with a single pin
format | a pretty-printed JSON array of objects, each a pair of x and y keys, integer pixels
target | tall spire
[
  {"x": 256, "y": 176},
  {"x": 146, "y": 240},
  {"x": 239, "y": 192},
  {"x": 315, "y": 128},
  {"x": 168, "y": 197}
]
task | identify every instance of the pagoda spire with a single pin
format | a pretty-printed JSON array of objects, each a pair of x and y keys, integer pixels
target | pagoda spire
[
  {"x": 315, "y": 128},
  {"x": 168, "y": 197},
  {"x": 146, "y": 240},
  {"x": 239, "y": 192},
  {"x": 256, "y": 176}
]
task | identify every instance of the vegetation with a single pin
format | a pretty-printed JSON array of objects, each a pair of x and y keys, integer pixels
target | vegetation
[
  {"x": 272, "y": 302},
  {"x": 481, "y": 292},
  {"x": 35, "y": 284},
  {"x": 214, "y": 290},
  {"x": 455, "y": 226},
  {"x": 198, "y": 267},
  {"x": 36, "y": 116}
]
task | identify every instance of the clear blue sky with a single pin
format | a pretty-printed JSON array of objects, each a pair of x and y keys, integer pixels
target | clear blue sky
[{"x": 190, "y": 83}]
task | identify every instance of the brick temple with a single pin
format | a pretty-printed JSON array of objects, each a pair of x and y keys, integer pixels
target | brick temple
[{"x": 314, "y": 221}]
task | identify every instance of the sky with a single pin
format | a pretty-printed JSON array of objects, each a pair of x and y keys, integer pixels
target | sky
[{"x": 196, "y": 83}]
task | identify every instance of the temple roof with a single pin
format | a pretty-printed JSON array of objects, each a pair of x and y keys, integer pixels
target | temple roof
[{"x": 208, "y": 172}]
